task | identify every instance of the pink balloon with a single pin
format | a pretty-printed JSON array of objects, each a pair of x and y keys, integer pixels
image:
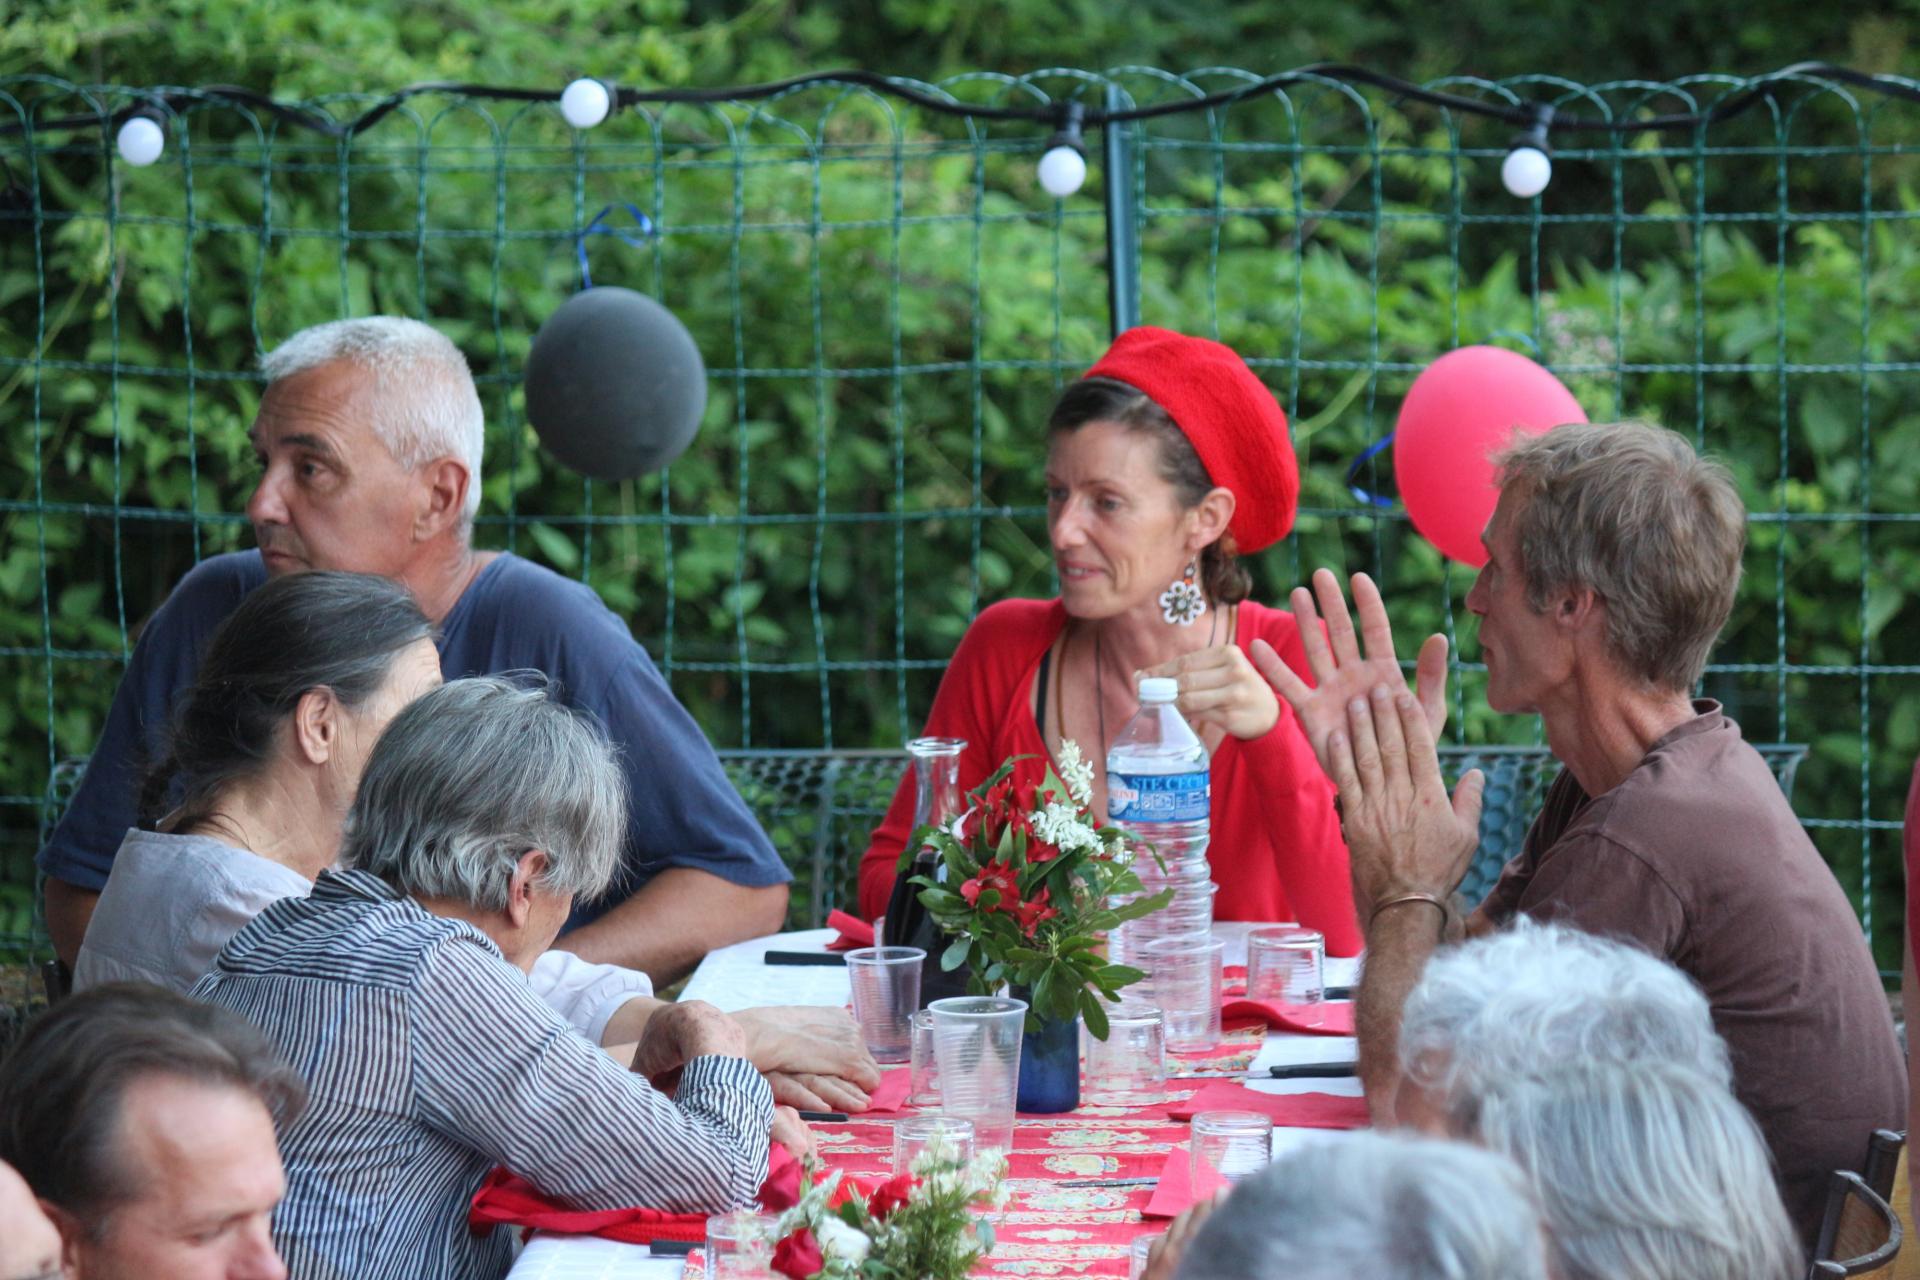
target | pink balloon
[{"x": 1461, "y": 409}]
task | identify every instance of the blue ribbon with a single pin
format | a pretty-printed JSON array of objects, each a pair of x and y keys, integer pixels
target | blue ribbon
[
  {"x": 1366, "y": 495},
  {"x": 597, "y": 227}
]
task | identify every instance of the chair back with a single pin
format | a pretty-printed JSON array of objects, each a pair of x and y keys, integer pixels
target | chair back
[{"x": 1859, "y": 1236}]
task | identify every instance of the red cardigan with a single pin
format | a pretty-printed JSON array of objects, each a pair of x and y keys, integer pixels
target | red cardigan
[{"x": 1276, "y": 849}]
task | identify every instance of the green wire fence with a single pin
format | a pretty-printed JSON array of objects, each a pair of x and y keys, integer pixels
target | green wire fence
[{"x": 887, "y": 301}]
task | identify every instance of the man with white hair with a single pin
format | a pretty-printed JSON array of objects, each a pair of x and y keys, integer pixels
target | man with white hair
[
  {"x": 1612, "y": 560},
  {"x": 369, "y": 440},
  {"x": 1595, "y": 1066},
  {"x": 1387, "y": 1207},
  {"x": 399, "y": 987}
]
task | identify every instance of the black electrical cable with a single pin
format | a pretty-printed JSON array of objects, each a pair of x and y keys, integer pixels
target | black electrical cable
[{"x": 1526, "y": 115}]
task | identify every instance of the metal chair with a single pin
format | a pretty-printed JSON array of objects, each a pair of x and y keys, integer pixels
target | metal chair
[{"x": 1859, "y": 1236}]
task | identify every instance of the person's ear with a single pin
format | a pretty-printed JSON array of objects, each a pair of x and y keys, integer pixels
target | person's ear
[
  {"x": 73, "y": 1234},
  {"x": 532, "y": 865},
  {"x": 1210, "y": 519},
  {"x": 1580, "y": 611},
  {"x": 316, "y": 725},
  {"x": 443, "y": 496}
]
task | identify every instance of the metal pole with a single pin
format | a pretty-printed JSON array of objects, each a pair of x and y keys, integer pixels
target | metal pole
[{"x": 1123, "y": 243}]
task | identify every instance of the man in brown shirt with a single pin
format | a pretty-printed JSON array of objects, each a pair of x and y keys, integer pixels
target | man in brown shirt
[{"x": 1612, "y": 561}]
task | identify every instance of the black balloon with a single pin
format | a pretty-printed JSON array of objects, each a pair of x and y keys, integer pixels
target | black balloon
[{"x": 615, "y": 386}]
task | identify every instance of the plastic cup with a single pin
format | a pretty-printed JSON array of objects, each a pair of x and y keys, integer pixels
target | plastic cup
[
  {"x": 925, "y": 1070},
  {"x": 1129, "y": 1067},
  {"x": 1185, "y": 972},
  {"x": 1137, "y": 1254},
  {"x": 976, "y": 1044},
  {"x": 740, "y": 1245},
  {"x": 886, "y": 991},
  {"x": 1232, "y": 1144},
  {"x": 939, "y": 1138},
  {"x": 1286, "y": 964}
]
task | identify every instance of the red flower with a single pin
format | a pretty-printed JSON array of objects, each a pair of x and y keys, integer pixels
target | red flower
[
  {"x": 1031, "y": 913},
  {"x": 995, "y": 875},
  {"x": 890, "y": 1195},
  {"x": 1039, "y": 852},
  {"x": 798, "y": 1257}
]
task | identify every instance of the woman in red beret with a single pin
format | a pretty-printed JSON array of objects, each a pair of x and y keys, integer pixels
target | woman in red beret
[{"x": 1167, "y": 461}]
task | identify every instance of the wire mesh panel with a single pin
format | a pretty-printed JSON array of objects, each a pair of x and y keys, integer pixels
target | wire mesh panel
[{"x": 887, "y": 301}]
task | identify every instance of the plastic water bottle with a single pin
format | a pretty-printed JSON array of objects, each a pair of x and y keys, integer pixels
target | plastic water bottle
[{"x": 1158, "y": 792}]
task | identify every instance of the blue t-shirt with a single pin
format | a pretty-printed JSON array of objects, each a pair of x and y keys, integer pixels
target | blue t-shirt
[{"x": 514, "y": 616}]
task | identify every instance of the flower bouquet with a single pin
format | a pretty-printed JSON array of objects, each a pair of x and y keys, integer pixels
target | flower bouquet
[
  {"x": 917, "y": 1226},
  {"x": 1027, "y": 892}
]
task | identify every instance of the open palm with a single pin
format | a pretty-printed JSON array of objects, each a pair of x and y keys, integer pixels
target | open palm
[{"x": 1342, "y": 669}]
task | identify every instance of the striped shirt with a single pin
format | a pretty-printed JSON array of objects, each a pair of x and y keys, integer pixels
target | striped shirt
[{"x": 428, "y": 1061}]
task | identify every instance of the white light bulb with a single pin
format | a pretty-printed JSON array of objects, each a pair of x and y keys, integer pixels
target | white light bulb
[
  {"x": 1526, "y": 171},
  {"x": 141, "y": 140},
  {"x": 1062, "y": 170},
  {"x": 585, "y": 103}
]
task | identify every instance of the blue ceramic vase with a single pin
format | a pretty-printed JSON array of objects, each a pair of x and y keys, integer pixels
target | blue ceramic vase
[{"x": 1050, "y": 1066}]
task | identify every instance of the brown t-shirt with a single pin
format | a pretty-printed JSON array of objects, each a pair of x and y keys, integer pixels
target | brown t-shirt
[{"x": 1697, "y": 857}]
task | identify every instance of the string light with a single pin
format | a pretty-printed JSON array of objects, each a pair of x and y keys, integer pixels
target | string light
[
  {"x": 1528, "y": 166},
  {"x": 1063, "y": 167},
  {"x": 585, "y": 103},
  {"x": 141, "y": 140}
]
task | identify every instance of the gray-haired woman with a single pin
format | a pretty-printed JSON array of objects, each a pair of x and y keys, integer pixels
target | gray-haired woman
[{"x": 398, "y": 986}]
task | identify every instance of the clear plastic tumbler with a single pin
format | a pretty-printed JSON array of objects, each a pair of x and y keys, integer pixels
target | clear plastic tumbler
[
  {"x": 924, "y": 1071},
  {"x": 976, "y": 1043},
  {"x": 886, "y": 991},
  {"x": 1185, "y": 972},
  {"x": 941, "y": 1139},
  {"x": 1232, "y": 1144},
  {"x": 1286, "y": 963},
  {"x": 1129, "y": 1067}
]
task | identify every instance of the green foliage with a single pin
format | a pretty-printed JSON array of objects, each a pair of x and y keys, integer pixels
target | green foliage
[
  {"x": 1035, "y": 889},
  {"x": 887, "y": 303}
]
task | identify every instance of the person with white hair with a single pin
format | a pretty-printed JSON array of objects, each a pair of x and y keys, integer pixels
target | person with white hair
[
  {"x": 369, "y": 439},
  {"x": 1530, "y": 997},
  {"x": 1645, "y": 1170},
  {"x": 399, "y": 988},
  {"x": 1596, "y": 1067},
  {"x": 1383, "y": 1206}
]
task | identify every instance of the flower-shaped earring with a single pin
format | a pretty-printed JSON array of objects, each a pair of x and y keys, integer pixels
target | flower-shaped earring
[{"x": 1182, "y": 603}]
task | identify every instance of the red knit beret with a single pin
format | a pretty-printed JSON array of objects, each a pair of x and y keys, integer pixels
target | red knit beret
[{"x": 1232, "y": 420}]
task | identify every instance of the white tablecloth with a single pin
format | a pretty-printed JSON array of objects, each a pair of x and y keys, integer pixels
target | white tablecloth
[{"x": 738, "y": 977}]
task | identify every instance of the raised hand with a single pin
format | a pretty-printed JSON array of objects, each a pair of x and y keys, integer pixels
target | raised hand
[
  {"x": 1404, "y": 833},
  {"x": 1219, "y": 686},
  {"x": 1342, "y": 671}
]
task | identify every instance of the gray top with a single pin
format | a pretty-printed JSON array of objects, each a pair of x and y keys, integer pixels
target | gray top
[{"x": 172, "y": 901}]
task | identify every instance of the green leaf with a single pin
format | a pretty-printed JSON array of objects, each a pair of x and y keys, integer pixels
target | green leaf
[
  {"x": 956, "y": 954},
  {"x": 1095, "y": 1014}
]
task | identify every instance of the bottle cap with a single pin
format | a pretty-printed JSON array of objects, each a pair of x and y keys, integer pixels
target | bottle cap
[{"x": 1159, "y": 689}]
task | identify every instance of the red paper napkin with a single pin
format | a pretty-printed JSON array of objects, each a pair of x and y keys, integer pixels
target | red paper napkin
[
  {"x": 510, "y": 1199},
  {"x": 1177, "y": 1192},
  {"x": 854, "y": 932},
  {"x": 1334, "y": 1018},
  {"x": 890, "y": 1095},
  {"x": 1289, "y": 1110}
]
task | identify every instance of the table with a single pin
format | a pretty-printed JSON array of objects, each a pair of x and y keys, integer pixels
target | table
[{"x": 1046, "y": 1232}]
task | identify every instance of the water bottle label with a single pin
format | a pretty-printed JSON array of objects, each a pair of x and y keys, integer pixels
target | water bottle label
[{"x": 1157, "y": 797}]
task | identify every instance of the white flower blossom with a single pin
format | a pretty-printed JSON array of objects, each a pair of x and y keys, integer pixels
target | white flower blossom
[
  {"x": 838, "y": 1240},
  {"x": 1076, "y": 772},
  {"x": 1060, "y": 825}
]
